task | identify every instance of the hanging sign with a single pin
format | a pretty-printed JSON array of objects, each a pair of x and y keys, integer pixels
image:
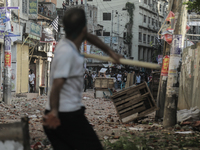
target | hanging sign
[
  {"x": 33, "y": 7},
  {"x": 165, "y": 66},
  {"x": 176, "y": 45},
  {"x": 7, "y": 59},
  {"x": 85, "y": 46}
]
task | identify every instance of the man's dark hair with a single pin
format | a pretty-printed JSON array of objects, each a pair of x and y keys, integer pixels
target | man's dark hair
[{"x": 74, "y": 21}]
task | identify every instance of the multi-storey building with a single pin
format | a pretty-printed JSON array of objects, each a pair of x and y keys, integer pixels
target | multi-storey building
[{"x": 148, "y": 17}]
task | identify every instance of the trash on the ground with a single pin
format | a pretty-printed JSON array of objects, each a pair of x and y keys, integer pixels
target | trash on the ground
[
  {"x": 11, "y": 145},
  {"x": 192, "y": 114},
  {"x": 136, "y": 129},
  {"x": 134, "y": 102},
  {"x": 185, "y": 132}
]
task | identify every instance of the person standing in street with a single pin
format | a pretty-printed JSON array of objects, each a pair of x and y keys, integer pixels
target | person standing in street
[
  {"x": 31, "y": 81},
  {"x": 64, "y": 122},
  {"x": 138, "y": 79},
  {"x": 119, "y": 79},
  {"x": 85, "y": 81}
]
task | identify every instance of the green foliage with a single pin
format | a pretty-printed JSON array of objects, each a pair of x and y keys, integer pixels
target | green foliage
[{"x": 193, "y": 6}]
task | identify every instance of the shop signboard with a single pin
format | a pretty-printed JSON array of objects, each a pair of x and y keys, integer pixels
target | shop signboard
[
  {"x": 165, "y": 66},
  {"x": 33, "y": 7}
]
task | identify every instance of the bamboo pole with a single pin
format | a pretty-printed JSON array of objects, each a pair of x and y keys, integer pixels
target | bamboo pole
[{"x": 125, "y": 61}]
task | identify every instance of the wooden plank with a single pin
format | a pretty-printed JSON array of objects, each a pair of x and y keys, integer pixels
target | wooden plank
[
  {"x": 128, "y": 90},
  {"x": 126, "y": 96},
  {"x": 133, "y": 111},
  {"x": 131, "y": 107},
  {"x": 128, "y": 99},
  {"x": 132, "y": 102}
]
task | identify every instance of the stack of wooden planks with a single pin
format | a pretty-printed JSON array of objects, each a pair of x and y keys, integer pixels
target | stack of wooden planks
[
  {"x": 130, "y": 79},
  {"x": 134, "y": 102},
  {"x": 102, "y": 87}
]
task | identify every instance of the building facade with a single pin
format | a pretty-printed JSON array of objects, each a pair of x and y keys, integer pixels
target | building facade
[{"x": 148, "y": 17}]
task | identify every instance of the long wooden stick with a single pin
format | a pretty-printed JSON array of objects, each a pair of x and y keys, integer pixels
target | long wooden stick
[{"x": 125, "y": 61}]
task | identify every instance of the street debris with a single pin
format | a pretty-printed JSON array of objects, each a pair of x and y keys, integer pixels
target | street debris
[
  {"x": 102, "y": 115},
  {"x": 192, "y": 114},
  {"x": 11, "y": 145},
  {"x": 134, "y": 102}
]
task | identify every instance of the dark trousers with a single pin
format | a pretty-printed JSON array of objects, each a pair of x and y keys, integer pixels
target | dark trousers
[
  {"x": 85, "y": 85},
  {"x": 74, "y": 133},
  {"x": 31, "y": 88}
]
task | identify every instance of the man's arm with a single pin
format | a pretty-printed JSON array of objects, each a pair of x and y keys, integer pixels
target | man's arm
[
  {"x": 93, "y": 39},
  {"x": 51, "y": 119}
]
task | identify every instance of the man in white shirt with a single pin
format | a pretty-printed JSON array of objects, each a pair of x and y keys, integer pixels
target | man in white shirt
[
  {"x": 138, "y": 79},
  {"x": 31, "y": 80},
  {"x": 64, "y": 122}
]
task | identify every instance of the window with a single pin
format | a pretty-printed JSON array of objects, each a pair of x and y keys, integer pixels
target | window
[
  {"x": 144, "y": 19},
  {"x": 145, "y": 1},
  {"x": 152, "y": 39},
  {"x": 152, "y": 21},
  {"x": 148, "y": 40},
  {"x": 106, "y": 33},
  {"x": 144, "y": 38},
  {"x": 159, "y": 24},
  {"x": 90, "y": 14},
  {"x": 24, "y": 6},
  {"x": 160, "y": 7},
  {"x": 149, "y": 20},
  {"x": 140, "y": 37},
  {"x": 149, "y": 2},
  {"x": 156, "y": 23},
  {"x": 106, "y": 16},
  {"x": 124, "y": 36}
]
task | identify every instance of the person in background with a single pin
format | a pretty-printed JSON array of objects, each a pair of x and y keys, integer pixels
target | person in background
[
  {"x": 31, "y": 80},
  {"x": 138, "y": 79},
  {"x": 81, "y": 2},
  {"x": 149, "y": 79},
  {"x": 93, "y": 78},
  {"x": 76, "y": 2},
  {"x": 85, "y": 81},
  {"x": 124, "y": 80},
  {"x": 115, "y": 80},
  {"x": 89, "y": 80},
  {"x": 119, "y": 79}
]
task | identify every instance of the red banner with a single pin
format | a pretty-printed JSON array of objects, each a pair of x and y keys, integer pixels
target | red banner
[
  {"x": 170, "y": 16},
  {"x": 7, "y": 59},
  {"x": 165, "y": 66},
  {"x": 85, "y": 47}
]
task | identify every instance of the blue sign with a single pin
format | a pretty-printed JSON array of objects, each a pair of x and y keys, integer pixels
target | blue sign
[
  {"x": 4, "y": 15},
  {"x": 176, "y": 45}
]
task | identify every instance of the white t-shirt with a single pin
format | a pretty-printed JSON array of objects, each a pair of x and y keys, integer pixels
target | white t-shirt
[
  {"x": 138, "y": 79},
  {"x": 119, "y": 77},
  {"x": 68, "y": 63},
  {"x": 31, "y": 78}
]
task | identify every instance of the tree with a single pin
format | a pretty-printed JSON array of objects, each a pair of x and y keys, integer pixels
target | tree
[{"x": 193, "y": 5}]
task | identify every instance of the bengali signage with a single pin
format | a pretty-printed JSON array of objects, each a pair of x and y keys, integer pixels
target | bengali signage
[
  {"x": 33, "y": 6},
  {"x": 4, "y": 15},
  {"x": 7, "y": 59},
  {"x": 165, "y": 66},
  {"x": 33, "y": 28},
  {"x": 85, "y": 46}
]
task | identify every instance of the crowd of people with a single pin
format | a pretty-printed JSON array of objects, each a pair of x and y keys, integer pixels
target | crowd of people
[
  {"x": 119, "y": 77},
  {"x": 72, "y": 2}
]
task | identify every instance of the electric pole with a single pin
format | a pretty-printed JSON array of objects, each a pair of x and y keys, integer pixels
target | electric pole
[
  {"x": 111, "y": 34},
  {"x": 170, "y": 110},
  {"x": 118, "y": 31},
  {"x": 7, "y": 63}
]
